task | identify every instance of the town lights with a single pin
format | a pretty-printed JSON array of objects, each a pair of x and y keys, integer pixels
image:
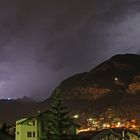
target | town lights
[
  {"x": 104, "y": 125},
  {"x": 90, "y": 119},
  {"x": 118, "y": 124},
  {"x": 133, "y": 126},
  {"x": 108, "y": 125}
]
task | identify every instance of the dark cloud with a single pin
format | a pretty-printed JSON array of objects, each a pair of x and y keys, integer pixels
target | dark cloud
[{"x": 43, "y": 42}]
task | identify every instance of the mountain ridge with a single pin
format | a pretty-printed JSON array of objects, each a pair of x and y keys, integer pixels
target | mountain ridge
[
  {"x": 107, "y": 72},
  {"x": 115, "y": 83}
]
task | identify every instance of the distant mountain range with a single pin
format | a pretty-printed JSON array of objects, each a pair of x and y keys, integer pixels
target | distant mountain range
[
  {"x": 113, "y": 84},
  {"x": 13, "y": 109}
]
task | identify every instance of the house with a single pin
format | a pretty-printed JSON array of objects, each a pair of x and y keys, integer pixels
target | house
[
  {"x": 11, "y": 130},
  {"x": 33, "y": 128},
  {"x": 27, "y": 129}
]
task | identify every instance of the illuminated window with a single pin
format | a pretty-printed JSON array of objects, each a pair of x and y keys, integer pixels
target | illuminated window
[{"x": 29, "y": 134}]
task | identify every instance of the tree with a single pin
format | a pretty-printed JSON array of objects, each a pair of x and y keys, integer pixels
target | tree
[
  {"x": 4, "y": 127},
  {"x": 57, "y": 120}
]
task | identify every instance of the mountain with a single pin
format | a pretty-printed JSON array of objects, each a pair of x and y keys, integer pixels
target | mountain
[
  {"x": 112, "y": 75},
  {"x": 114, "y": 83},
  {"x": 26, "y": 99},
  {"x": 13, "y": 109}
]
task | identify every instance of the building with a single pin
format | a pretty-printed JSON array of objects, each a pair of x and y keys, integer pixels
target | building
[
  {"x": 11, "y": 130},
  {"x": 27, "y": 129},
  {"x": 33, "y": 128}
]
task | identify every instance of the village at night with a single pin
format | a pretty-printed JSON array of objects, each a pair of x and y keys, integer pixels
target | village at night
[{"x": 70, "y": 70}]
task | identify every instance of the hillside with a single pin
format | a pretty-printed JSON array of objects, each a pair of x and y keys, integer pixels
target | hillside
[
  {"x": 114, "y": 74},
  {"x": 113, "y": 84},
  {"x": 13, "y": 109}
]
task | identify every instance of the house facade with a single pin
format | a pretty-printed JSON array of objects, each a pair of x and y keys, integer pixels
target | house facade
[{"x": 28, "y": 129}]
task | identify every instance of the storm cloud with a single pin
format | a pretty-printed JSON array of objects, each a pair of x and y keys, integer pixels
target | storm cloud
[{"x": 43, "y": 42}]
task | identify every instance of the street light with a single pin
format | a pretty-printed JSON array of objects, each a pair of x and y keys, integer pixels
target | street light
[
  {"x": 116, "y": 79},
  {"x": 76, "y": 116}
]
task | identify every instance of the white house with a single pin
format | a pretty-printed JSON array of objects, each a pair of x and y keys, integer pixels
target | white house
[{"x": 27, "y": 129}]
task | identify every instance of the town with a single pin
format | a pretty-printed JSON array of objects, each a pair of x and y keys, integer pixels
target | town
[{"x": 34, "y": 128}]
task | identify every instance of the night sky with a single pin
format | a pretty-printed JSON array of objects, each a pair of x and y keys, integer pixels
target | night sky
[{"x": 42, "y": 42}]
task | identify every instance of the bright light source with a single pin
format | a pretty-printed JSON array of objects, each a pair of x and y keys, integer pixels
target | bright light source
[
  {"x": 108, "y": 125},
  {"x": 104, "y": 125},
  {"x": 76, "y": 116},
  {"x": 133, "y": 126},
  {"x": 119, "y": 123},
  {"x": 90, "y": 119},
  {"x": 116, "y": 79},
  {"x": 8, "y": 98}
]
